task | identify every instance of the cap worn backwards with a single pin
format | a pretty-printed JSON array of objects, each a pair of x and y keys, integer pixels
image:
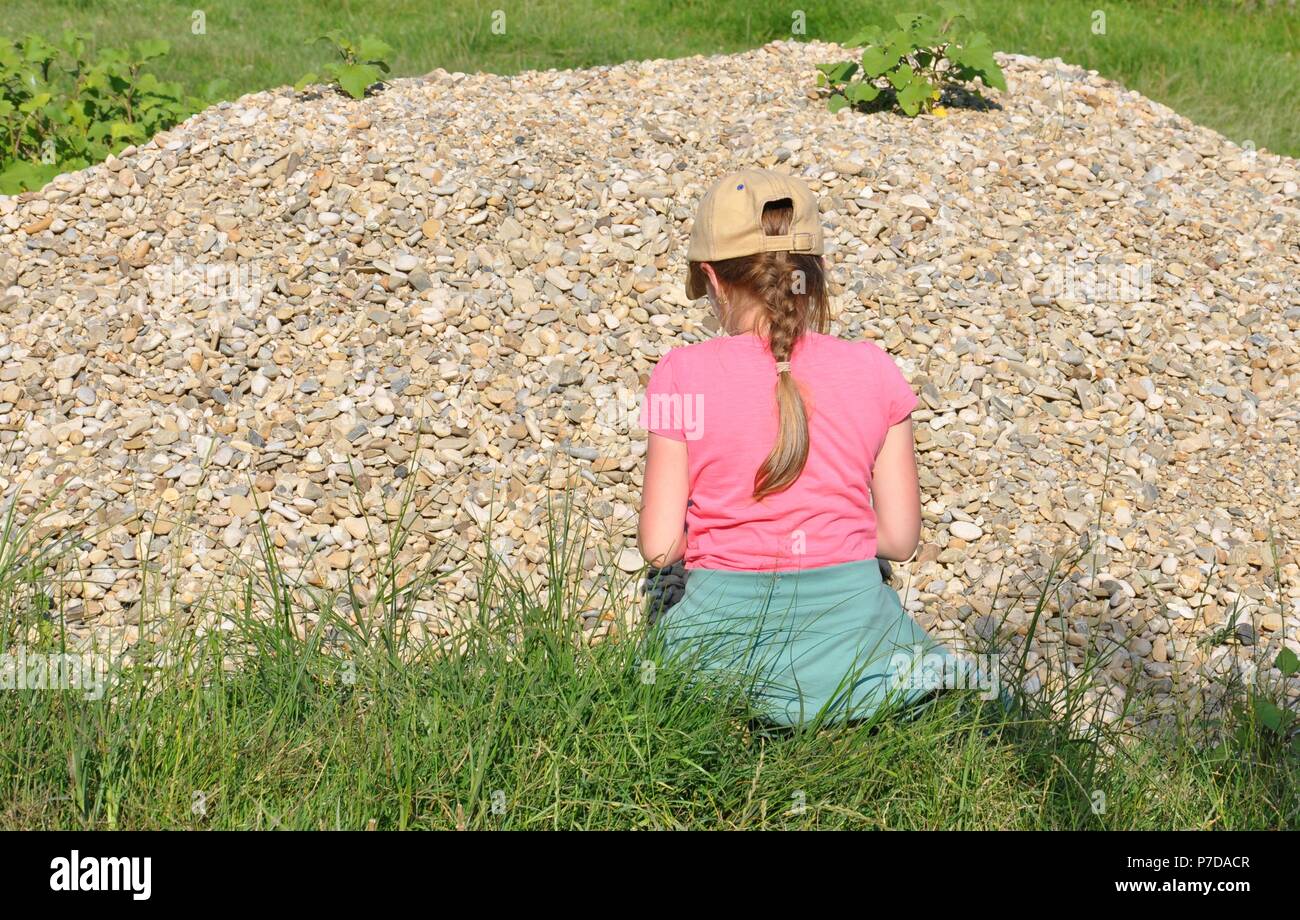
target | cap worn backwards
[{"x": 729, "y": 221}]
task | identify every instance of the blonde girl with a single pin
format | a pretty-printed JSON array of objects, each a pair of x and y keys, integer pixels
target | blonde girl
[{"x": 781, "y": 467}]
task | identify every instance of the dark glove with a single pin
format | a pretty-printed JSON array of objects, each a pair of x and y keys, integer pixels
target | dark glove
[{"x": 663, "y": 588}]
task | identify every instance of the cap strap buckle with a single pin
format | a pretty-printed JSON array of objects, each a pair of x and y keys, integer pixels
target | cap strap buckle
[{"x": 791, "y": 242}]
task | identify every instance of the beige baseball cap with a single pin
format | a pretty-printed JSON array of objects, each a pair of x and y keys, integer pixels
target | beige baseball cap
[{"x": 729, "y": 222}]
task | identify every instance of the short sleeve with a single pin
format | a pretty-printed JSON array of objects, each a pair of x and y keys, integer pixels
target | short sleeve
[
  {"x": 661, "y": 408},
  {"x": 897, "y": 395}
]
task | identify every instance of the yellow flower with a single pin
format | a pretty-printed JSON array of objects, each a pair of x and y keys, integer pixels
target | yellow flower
[{"x": 939, "y": 111}]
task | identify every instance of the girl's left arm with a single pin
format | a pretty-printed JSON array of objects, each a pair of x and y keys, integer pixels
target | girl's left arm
[
  {"x": 896, "y": 495},
  {"x": 661, "y": 531}
]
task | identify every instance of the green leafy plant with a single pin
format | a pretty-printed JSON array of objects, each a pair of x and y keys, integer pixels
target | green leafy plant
[
  {"x": 1260, "y": 726},
  {"x": 912, "y": 66},
  {"x": 361, "y": 64},
  {"x": 1272, "y": 717},
  {"x": 63, "y": 108}
]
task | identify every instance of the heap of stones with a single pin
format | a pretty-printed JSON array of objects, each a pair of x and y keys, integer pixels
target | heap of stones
[{"x": 432, "y": 311}]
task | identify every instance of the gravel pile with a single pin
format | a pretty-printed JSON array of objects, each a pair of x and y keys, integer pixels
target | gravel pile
[{"x": 297, "y": 308}]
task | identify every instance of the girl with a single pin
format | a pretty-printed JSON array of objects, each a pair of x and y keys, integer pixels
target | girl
[{"x": 765, "y": 445}]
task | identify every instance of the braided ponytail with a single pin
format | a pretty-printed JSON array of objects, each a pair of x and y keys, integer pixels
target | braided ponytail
[{"x": 792, "y": 288}]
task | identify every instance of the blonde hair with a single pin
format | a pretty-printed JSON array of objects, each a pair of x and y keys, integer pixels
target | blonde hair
[{"x": 792, "y": 288}]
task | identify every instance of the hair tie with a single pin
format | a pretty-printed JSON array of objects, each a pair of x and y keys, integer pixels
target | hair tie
[{"x": 783, "y": 367}]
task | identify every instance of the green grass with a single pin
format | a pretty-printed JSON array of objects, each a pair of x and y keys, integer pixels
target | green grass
[
  {"x": 1230, "y": 64},
  {"x": 521, "y": 724}
]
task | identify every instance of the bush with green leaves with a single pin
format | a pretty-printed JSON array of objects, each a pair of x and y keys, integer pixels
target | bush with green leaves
[
  {"x": 63, "y": 107},
  {"x": 361, "y": 64},
  {"x": 1262, "y": 724},
  {"x": 912, "y": 66}
]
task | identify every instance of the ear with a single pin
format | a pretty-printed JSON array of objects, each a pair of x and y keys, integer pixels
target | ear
[{"x": 711, "y": 275}]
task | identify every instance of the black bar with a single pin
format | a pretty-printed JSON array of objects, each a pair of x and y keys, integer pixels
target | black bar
[{"x": 333, "y": 870}]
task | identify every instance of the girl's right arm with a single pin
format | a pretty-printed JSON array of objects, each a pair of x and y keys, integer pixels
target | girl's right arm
[
  {"x": 896, "y": 495},
  {"x": 661, "y": 529}
]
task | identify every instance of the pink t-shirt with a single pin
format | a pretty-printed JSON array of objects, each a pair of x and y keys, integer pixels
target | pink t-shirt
[{"x": 719, "y": 396}]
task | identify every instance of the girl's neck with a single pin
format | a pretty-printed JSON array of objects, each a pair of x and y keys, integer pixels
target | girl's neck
[
  {"x": 747, "y": 315},
  {"x": 749, "y": 325}
]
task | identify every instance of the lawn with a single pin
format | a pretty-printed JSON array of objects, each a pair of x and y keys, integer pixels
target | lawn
[
  {"x": 521, "y": 723},
  {"x": 1229, "y": 64}
]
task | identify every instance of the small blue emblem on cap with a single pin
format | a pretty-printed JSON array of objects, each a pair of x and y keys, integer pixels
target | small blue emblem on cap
[{"x": 740, "y": 186}]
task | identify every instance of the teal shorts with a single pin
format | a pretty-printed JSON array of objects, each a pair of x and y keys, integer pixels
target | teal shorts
[{"x": 827, "y": 644}]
